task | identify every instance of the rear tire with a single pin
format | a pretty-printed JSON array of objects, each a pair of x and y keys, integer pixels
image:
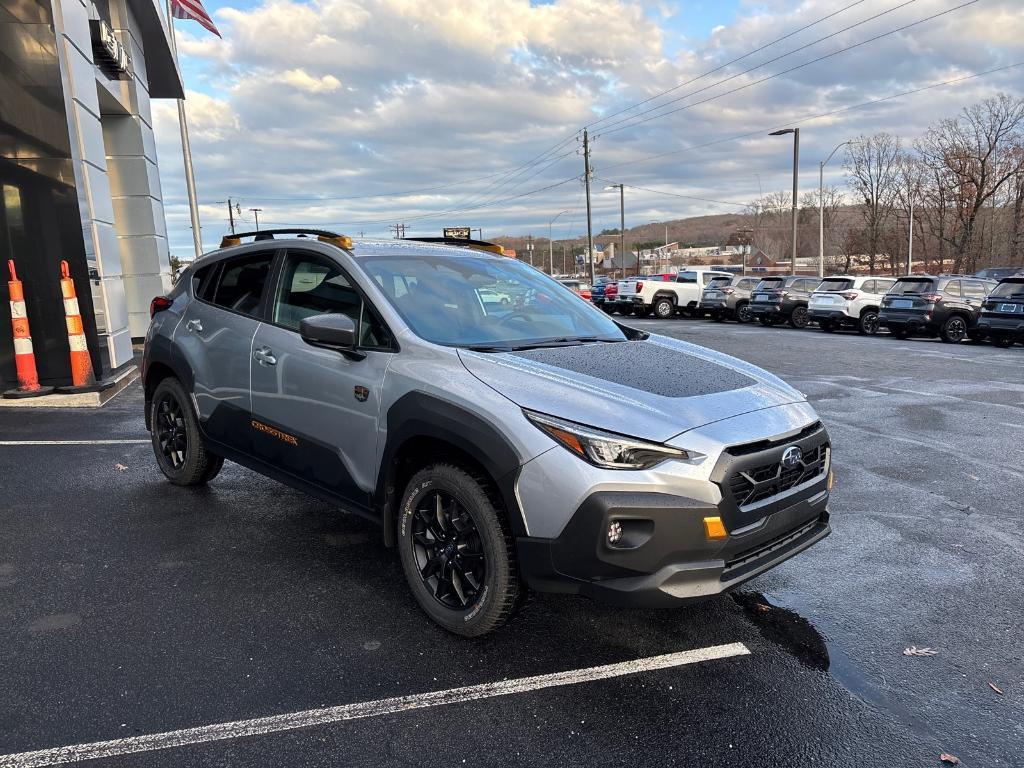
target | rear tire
[
  {"x": 451, "y": 527},
  {"x": 799, "y": 318},
  {"x": 626, "y": 311},
  {"x": 868, "y": 325},
  {"x": 826, "y": 326},
  {"x": 718, "y": 317},
  {"x": 954, "y": 330},
  {"x": 177, "y": 442},
  {"x": 766, "y": 321},
  {"x": 1003, "y": 342},
  {"x": 743, "y": 313},
  {"x": 664, "y": 309},
  {"x": 642, "y": 311}
]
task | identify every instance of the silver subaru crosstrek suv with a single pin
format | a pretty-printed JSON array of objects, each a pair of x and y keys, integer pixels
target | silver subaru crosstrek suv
[{"x": 451, "y": 395}]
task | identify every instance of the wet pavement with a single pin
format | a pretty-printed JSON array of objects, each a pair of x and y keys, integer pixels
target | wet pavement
[{"x": 131, "y": 607}]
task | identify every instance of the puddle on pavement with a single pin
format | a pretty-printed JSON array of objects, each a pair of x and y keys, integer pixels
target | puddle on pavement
[{"x": 788, "y": 629}]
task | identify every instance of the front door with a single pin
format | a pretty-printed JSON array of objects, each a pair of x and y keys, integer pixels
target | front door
[
  {"x": 314, "y": 411},
  {"x": 215, "y": 338}
]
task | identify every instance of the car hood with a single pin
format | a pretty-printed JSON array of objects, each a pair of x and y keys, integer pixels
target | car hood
[{"x": 653, "y": 389}]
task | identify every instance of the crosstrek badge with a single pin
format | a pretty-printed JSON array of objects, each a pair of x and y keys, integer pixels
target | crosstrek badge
[{"x": 268, "y": 430}]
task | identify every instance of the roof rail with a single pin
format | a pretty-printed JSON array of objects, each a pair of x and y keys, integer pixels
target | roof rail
[
  {"x": 476, "y": 245},
  {"x": 323, "y": 235}
]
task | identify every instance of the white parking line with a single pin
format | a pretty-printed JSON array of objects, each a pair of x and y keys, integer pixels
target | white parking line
[
  {"x": 75, "y": 442},
  {"x": 313, "y": 717}
]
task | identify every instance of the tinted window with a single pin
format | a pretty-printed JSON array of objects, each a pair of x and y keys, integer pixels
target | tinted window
[
  {"x": 241, "y": 283},
  {"x": 708, "y": 277},
  {"x": 952, "y": 287},
  {"x": 719, "y": 282},
  {"x": 911, "y": 286},
  {"x": 314, "y": 285},
  {"x": 770, "y": 284},
  {"x": 686, "y": 277},
  {"x": 1009, "y": 289},
  {"x": 974, "y": 289},
  {"x": 451, "y": 300},
  {"x": 834, "y": 285},
  {"x": 202, "y": 285}
]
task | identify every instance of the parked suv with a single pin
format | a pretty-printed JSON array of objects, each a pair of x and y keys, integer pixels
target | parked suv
[
  {"x": 778, "y": 299},
  {"x": 947, "y": 306},
  {"x": 371, "y": 375},
  {"x": 729, "y": 298},
  {"x": 667, "y": 294},
  {"x": 848, "y": 301},
  {"x": 1002, "y": 313}
]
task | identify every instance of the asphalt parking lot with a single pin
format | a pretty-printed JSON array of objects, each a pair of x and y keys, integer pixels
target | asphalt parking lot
[{"x": 131, "y": 607}]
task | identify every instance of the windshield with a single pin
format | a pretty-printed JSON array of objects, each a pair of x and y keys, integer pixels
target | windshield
[
  {"x": 911, "y": 286},
  {"x": 1008, "y": 289},
  {"x": 482, "y": 301},
  {"x": 834, "y": 286}
]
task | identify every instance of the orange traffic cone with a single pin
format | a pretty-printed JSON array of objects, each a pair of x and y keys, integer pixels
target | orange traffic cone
[
  {"x": 24, "y": 358},
  {"x": 82, "y": 378}
]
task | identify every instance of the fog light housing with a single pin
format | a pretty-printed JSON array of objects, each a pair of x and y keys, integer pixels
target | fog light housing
[{"x": 614, "y": 532}]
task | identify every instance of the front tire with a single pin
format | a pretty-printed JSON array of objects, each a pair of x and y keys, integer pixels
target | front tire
[
  {"x": 177, "y": 442},
  {"x": 457, "y": 550}
]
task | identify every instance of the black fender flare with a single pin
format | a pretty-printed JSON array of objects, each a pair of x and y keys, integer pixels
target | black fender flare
[
  {"x": 422, "y": 415},
  {"x": 159, "y": 354}
]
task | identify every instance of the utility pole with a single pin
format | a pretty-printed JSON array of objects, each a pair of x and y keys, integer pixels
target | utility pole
[
  {"x": 399, "y": 230},
  {"x": 590, "y": 228},
  {"x": 796, "y": 191},
  {"x": 529, "y": 247},
  {"x": 231, "y": 216},
  {"x": 910, "y": 245},
  {"x": 564, "y": 269},
  {"x": 256, "y": 213}
]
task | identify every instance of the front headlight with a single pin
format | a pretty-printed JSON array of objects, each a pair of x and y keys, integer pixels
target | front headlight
[{"x": 606, "y": 449}]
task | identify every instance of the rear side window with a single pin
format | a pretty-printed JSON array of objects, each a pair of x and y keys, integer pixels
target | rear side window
[
  {"x": 747, "y": 284},
  {"x": 242, "y": 282},
  {"x": 901, "y": 287},
  {"x": 974, "y": 289},
  {"x": 881, "y": 286},
  {"x": 830, "y": 284},
  {"x": 201, "y": 279},
  {"x": 952, "y": 287}
]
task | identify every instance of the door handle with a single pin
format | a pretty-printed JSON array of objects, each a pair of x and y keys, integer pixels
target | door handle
[
  {"x": 265, "y": 356},
  {"x": 195, "y": 325}
]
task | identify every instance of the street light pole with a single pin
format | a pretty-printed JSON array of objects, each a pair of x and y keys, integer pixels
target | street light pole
[
  {"x": 796, "y": 183},
  {"x": 551, "y": 246},
  {"x": 910, "y": 245},
  {"x": 821, "y": 209},
  {"x": 622, "y": 226}
]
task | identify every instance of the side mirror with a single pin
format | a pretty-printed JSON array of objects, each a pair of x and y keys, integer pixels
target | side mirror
[{"x": 332, "y": 331}]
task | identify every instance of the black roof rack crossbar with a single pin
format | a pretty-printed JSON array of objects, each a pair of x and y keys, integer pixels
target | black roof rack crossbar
[{"x": 268, "y": 234}]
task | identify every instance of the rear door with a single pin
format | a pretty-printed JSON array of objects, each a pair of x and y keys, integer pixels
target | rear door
[
  {"x": 215, "y": 339},
  {"x": 315, "y": 411}
]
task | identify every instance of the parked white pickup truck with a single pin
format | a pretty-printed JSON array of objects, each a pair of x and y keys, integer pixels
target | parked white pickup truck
[{"x": 664, "y": 295}]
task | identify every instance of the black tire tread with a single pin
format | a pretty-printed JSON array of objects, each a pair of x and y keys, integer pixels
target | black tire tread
[{"x": 201, "y": 465}]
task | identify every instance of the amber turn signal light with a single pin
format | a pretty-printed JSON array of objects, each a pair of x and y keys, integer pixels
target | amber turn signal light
[{"x": 714, "y": 529}]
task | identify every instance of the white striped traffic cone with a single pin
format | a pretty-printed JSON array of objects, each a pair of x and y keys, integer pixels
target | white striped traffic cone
[
  {"x": 24, "y": 357},
  {"x": 82, "y": 378}
]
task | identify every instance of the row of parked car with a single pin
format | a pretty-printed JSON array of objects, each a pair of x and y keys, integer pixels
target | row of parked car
[{"x": 953, "y": 307}]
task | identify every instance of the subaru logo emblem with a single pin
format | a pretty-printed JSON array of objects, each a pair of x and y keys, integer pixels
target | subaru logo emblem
[{"x": 791, "y": 457}]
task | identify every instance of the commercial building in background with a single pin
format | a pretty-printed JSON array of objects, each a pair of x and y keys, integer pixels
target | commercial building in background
[{"x": 78, "y": 172}]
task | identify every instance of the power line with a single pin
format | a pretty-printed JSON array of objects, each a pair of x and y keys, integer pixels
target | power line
[
  {"x": 809, "y": 118},
  {"x": 785, "y": 71},
  {"x": 725, "y": 65}
]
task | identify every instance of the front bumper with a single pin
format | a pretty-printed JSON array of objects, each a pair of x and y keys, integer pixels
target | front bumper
[{"x": 674, "y": 561}]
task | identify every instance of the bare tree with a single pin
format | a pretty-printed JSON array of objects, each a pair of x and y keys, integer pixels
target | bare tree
[
  {"x": 972, "y": 156},
  {"x": 770, "y": 221},
  {"x": 872, "y": 163}
]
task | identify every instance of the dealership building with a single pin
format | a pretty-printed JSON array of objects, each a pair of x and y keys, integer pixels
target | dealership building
[{"x": 79, "y": 180}]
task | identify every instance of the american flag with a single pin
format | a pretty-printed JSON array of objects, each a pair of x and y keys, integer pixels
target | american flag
[{"x": 193, "y": 9}]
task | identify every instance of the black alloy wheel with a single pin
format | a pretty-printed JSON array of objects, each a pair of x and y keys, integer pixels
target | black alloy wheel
[
  {"x": 177, "y": 443},
  {"x": 954, "y": 330},
  {"x": 799, "y": 317},
  {"x": 457, "y": 549},
  {"x": 448, "y": 551},
  {"x": 169, "y": 430},
  {"x": 743, "y": 313},
  {"x": 868, "y": 323}
]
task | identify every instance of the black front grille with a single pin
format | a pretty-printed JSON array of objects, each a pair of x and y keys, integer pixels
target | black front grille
[{"x": 757, "y": 484}]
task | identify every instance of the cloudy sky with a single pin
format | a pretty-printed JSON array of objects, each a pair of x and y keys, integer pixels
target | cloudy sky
[{"x": 355, "y": 114}]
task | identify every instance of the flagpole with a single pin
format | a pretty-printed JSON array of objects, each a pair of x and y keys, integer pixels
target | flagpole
[{"x": 190, "y": 179}]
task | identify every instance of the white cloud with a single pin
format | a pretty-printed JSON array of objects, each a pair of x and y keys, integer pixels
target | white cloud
[{"x": 344, "y": 99}]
